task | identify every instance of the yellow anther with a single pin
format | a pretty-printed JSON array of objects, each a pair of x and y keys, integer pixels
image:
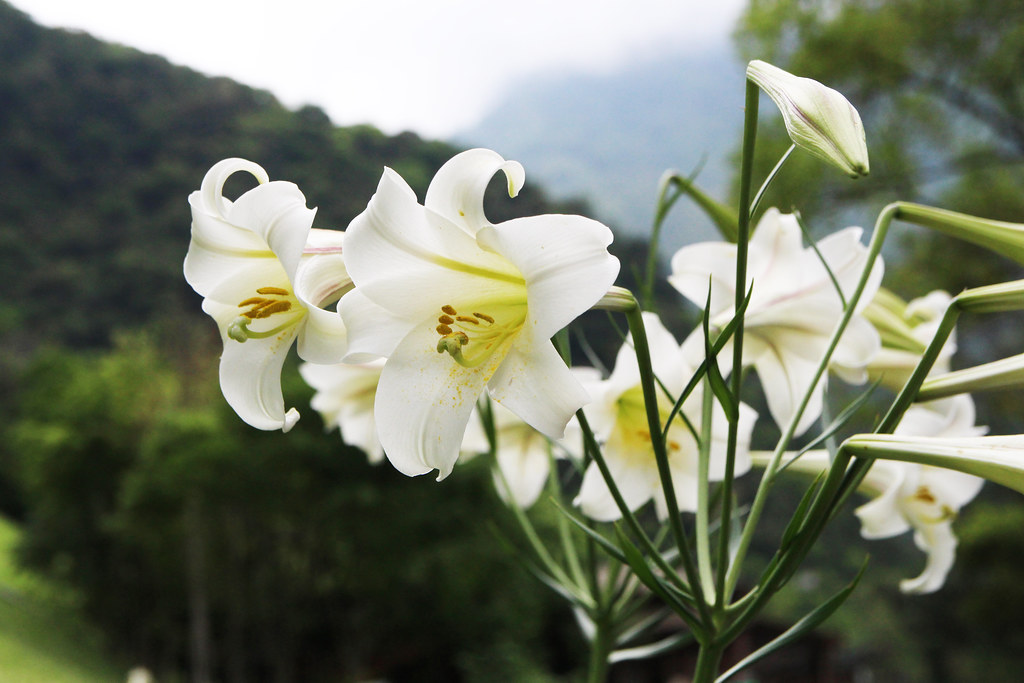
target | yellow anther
[
  {"x": 484, "y": 317},
  {"x": 923, "y": 494},
  {"x": 269, "y": 309},
  {"x": 272, "y": 290},
  {"x": 467, "y": 319},
  {"x": 443, "y": 330},
  {"x": 445, "y": 319},
  {"x": 254, "y": 301},
  {"x": 450, "y": 310}
]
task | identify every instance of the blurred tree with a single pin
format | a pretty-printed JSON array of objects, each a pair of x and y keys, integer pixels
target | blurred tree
[{"x": 206, "y": 546}]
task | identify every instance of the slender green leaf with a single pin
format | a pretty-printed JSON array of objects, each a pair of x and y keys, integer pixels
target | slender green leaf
[{"x": 799, "y": 629}]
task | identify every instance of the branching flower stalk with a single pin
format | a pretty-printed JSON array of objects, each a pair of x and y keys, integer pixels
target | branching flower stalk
[{"x": 433, "y": 336}]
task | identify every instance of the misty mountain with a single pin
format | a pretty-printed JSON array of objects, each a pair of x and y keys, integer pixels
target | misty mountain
[{"x": 608, "y": 138}]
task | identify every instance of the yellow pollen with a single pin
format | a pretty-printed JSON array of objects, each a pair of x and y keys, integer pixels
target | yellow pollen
[
  {"x": 923, "y": 494},
  {"x": 272, "y": 290},
  {"x": 472, "y": 339},
  {"x": 268, "y": 309}
]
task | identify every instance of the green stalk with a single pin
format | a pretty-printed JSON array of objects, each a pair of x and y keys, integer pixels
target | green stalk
[
  {"x": 885, "y": 218},
  {"x": 709, "y": 658},
  {"x": 590, "y": 444},
  {"x": 650, "y": 391},
  {"x": 600, "y": 650},
  {"x": 703, "y": 527},
  {"x": 661, "y": 209},
  {"x": 742, "y": 244}
]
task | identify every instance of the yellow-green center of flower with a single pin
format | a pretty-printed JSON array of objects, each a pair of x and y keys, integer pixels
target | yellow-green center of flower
[
  {"x": 268, "y": 302},
  {"x": 632, "y": 434},
  {"x": 924, "y": 505},
  {"x": 472, "y": 338}
]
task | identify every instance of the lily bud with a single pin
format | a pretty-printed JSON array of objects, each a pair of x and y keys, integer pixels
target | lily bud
[{"x": 819, "y": 119}]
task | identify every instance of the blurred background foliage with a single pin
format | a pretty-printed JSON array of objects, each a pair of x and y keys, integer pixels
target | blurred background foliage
[{"x": 210, "y": 551}]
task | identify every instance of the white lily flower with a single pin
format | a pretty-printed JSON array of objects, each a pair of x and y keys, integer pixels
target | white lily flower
[
  {"x": 619, "y": 419},
  {"x": 906, "y": 329},
  {"x": 793, "y": 310},
  {"x": 921, "y": 497},
  {"x": 458, "y": 305},
  {"x": 344, "y": 398},
  {"x": 264, "y": 274},
  {"x": 818, "y": 119}
]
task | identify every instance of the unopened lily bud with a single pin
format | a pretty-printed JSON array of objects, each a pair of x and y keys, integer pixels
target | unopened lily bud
[{"x": 818, "y": 118}]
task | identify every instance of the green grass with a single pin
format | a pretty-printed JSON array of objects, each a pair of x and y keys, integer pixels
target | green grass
[{"x": 43, "y": 638}]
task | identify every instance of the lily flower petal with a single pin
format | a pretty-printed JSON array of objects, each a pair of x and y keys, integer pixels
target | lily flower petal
[
  {"x": 344, "y": 398},
  {"x": 794, "y": 307},
  {"x": 467, "y": 308},
  {"x": 619, "y": 419},
  {"x": 249, "y": 259},
  {"x": 457, "y": 191}
]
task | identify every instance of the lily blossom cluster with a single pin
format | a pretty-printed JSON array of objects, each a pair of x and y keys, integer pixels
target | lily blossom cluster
[{"x": 428, "y": 334}]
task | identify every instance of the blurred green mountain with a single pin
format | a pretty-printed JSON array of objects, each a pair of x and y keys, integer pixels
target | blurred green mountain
[
  {"x": 608, "y": 137},
  {"x": 100, "y": 146}
]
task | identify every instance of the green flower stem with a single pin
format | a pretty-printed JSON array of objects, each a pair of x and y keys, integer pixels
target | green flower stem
[
  {"x": 742, "y": 246},
  {"x": 661, "y": 209},
  {"x": 685, "y": 591},
  {"x": 569, "y": 550},
  {"x": 709, "y": 658},
  {"x": 600, "y": 649},
  {"x": 558, "y": 574},
  {"x": 650, "y": 391},
  {"x": 703, "y": 530},
  {"x": 885, "y": 218},
  {"x": 906, "y": 397},
  {"x": 771, "y": 176}
]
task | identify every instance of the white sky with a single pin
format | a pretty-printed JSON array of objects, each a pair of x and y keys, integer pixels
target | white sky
[{"x": 433, "y": 66}]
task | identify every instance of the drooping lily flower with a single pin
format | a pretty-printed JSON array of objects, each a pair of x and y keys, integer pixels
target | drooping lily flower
[
  {"x": 459, "y": 306},
  {"x": 793, "y": 310},
  {"x": 921, "y": 497},
  {"x": 619, "y": 419},
  {"x": 264, "y": 274},
  {"x": 344, "y": 398},
  {"x": 818, "y": 119}
]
